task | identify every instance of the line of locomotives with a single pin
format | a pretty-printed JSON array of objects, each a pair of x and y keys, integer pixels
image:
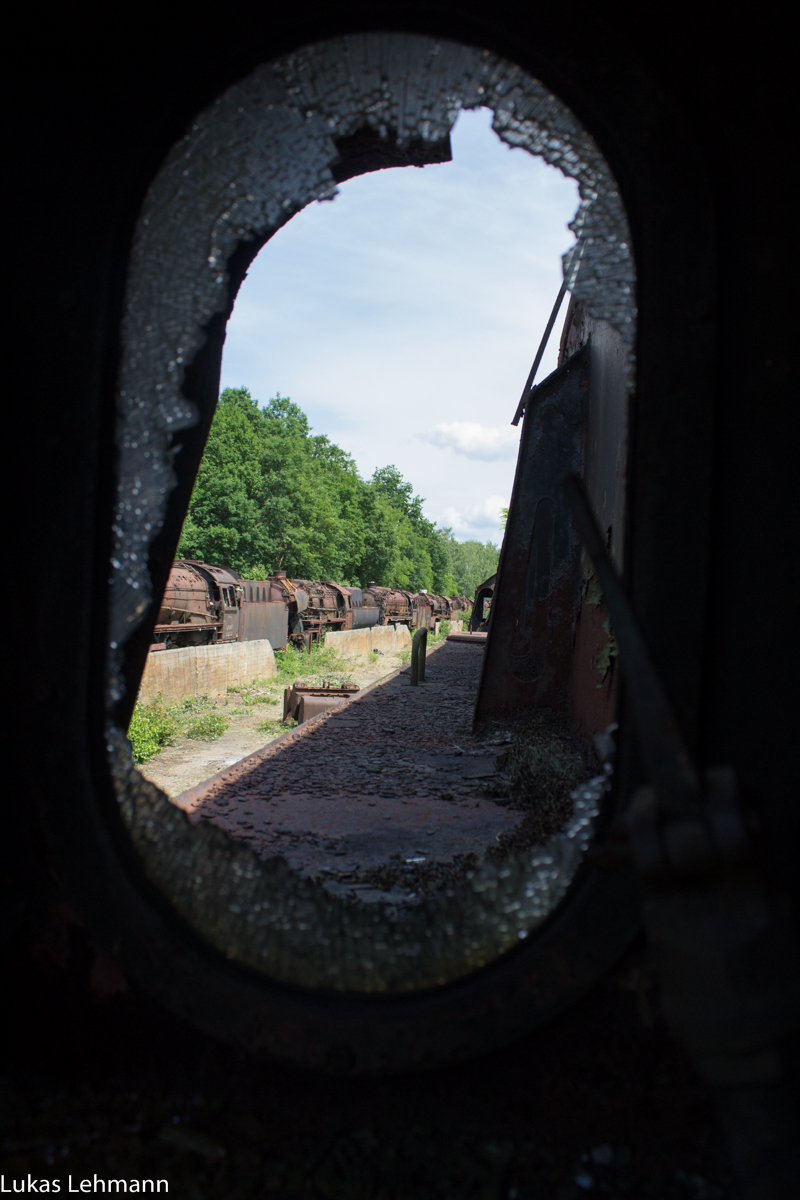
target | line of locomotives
[{"x": 205, "y": 605}]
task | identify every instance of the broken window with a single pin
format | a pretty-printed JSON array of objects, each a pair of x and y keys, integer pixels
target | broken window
[{"x": 267, "y": 147}]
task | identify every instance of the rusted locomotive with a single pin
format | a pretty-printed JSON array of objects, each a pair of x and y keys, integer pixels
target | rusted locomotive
[
  {"x": 315, "y": 606},
  {"x": 417, "y": 610},
  {"x": 446, "y": 608},
  {"x": 205, "y": 605},
  {"x": 201, "y": 604},
  {"x": 398, "y": 607}
]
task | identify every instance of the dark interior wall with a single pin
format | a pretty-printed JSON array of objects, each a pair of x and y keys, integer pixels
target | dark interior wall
[{"x": 691, "y": 112}]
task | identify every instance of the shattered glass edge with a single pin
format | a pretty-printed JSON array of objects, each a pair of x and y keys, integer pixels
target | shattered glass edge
[{"x": 260, "y": 153}]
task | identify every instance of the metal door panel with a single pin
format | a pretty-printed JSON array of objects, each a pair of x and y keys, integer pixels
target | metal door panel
[{"x": 529, "y": 645}]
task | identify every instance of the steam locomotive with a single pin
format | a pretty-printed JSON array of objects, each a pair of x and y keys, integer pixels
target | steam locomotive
[{"x": 206, "y": 605}]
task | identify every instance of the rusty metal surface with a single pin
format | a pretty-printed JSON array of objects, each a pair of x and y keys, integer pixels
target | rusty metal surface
[
  {"x": 666, "y": 757},
  {"x": 723, "y": 942},
  {"x": 314, "y": 607},
  {"x": 311, "y": 706},
  {"x": 199, "y": 606},
  {"x": 594, "y": 675},
  {"x": 301, "y": 702},
  {"x": 186, "y": 601},
  {"x": 394, "y": 605},
  {"x": 265, "y": 619},
  {"x": 529, "y": 652}
]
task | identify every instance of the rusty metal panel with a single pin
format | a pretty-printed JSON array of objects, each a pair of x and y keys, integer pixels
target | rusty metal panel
[
  {"x": 312, "y": 706},
  {"x": 365, "y": 618},
  {"x": 528, "y": 657},
  {"x": 268, "y": 620},
  {"x": 302, "y": 702}
]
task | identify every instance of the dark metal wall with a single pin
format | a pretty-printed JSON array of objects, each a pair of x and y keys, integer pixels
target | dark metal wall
[
  {"x": 594, "y": 668},
  {"x": 693, "y": 112},
  {"x": 529, "y": 649}
]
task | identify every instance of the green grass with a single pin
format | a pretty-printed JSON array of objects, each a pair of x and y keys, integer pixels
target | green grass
[
  {"x": 208, "y": 726},
  {"x": 155, "y": 725},
  {"x": 152, "y": 727},
  {"x": 322, "y": 666},
  {"x": 275, "y": 728}
]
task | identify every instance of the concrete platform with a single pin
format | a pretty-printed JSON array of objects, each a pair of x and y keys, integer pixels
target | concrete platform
[{"x": 205, "y": 670}]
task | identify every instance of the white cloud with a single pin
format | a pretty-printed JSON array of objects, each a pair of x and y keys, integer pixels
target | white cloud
[
  {"x": 487, "y": 443},
  {"x": 481, "y": 520}
]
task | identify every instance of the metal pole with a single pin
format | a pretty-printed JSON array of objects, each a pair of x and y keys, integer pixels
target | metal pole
[
  {"x": 523, "y": 400},
  {"x": 419, "y": 649}
]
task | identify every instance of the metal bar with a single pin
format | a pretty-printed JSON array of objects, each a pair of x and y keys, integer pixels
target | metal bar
[
  {"x": 419, "y": 649},
  {"x": 542, "y": 346},
  {"x": 187, "y": 627},
  {"x": 669, "y": 766}
]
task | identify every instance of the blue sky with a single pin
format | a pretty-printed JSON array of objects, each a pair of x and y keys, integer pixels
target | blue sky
[{"x": 403, "y": 317}]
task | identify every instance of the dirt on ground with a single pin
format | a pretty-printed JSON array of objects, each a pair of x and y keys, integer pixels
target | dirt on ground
[{"x": 189, "y": 761}]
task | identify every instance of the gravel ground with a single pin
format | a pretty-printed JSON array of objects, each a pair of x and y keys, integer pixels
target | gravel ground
[
  {"x": 187, "y": 763},
  {"x": 392, "y": 794}
]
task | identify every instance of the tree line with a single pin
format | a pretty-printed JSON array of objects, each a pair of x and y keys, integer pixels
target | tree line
[{"x": 271, "y": 496}]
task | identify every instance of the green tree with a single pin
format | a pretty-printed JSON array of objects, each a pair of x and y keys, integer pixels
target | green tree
[
  {"x": 270, "y": 495},
  {"x": 470, "y": 562},
  {"x": 224, "y": 522},
  {"x": 424, "y": 562}
]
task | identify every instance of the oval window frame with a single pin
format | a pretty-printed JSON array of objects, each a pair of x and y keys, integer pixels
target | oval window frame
[{"x": 562, "y": 949}]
